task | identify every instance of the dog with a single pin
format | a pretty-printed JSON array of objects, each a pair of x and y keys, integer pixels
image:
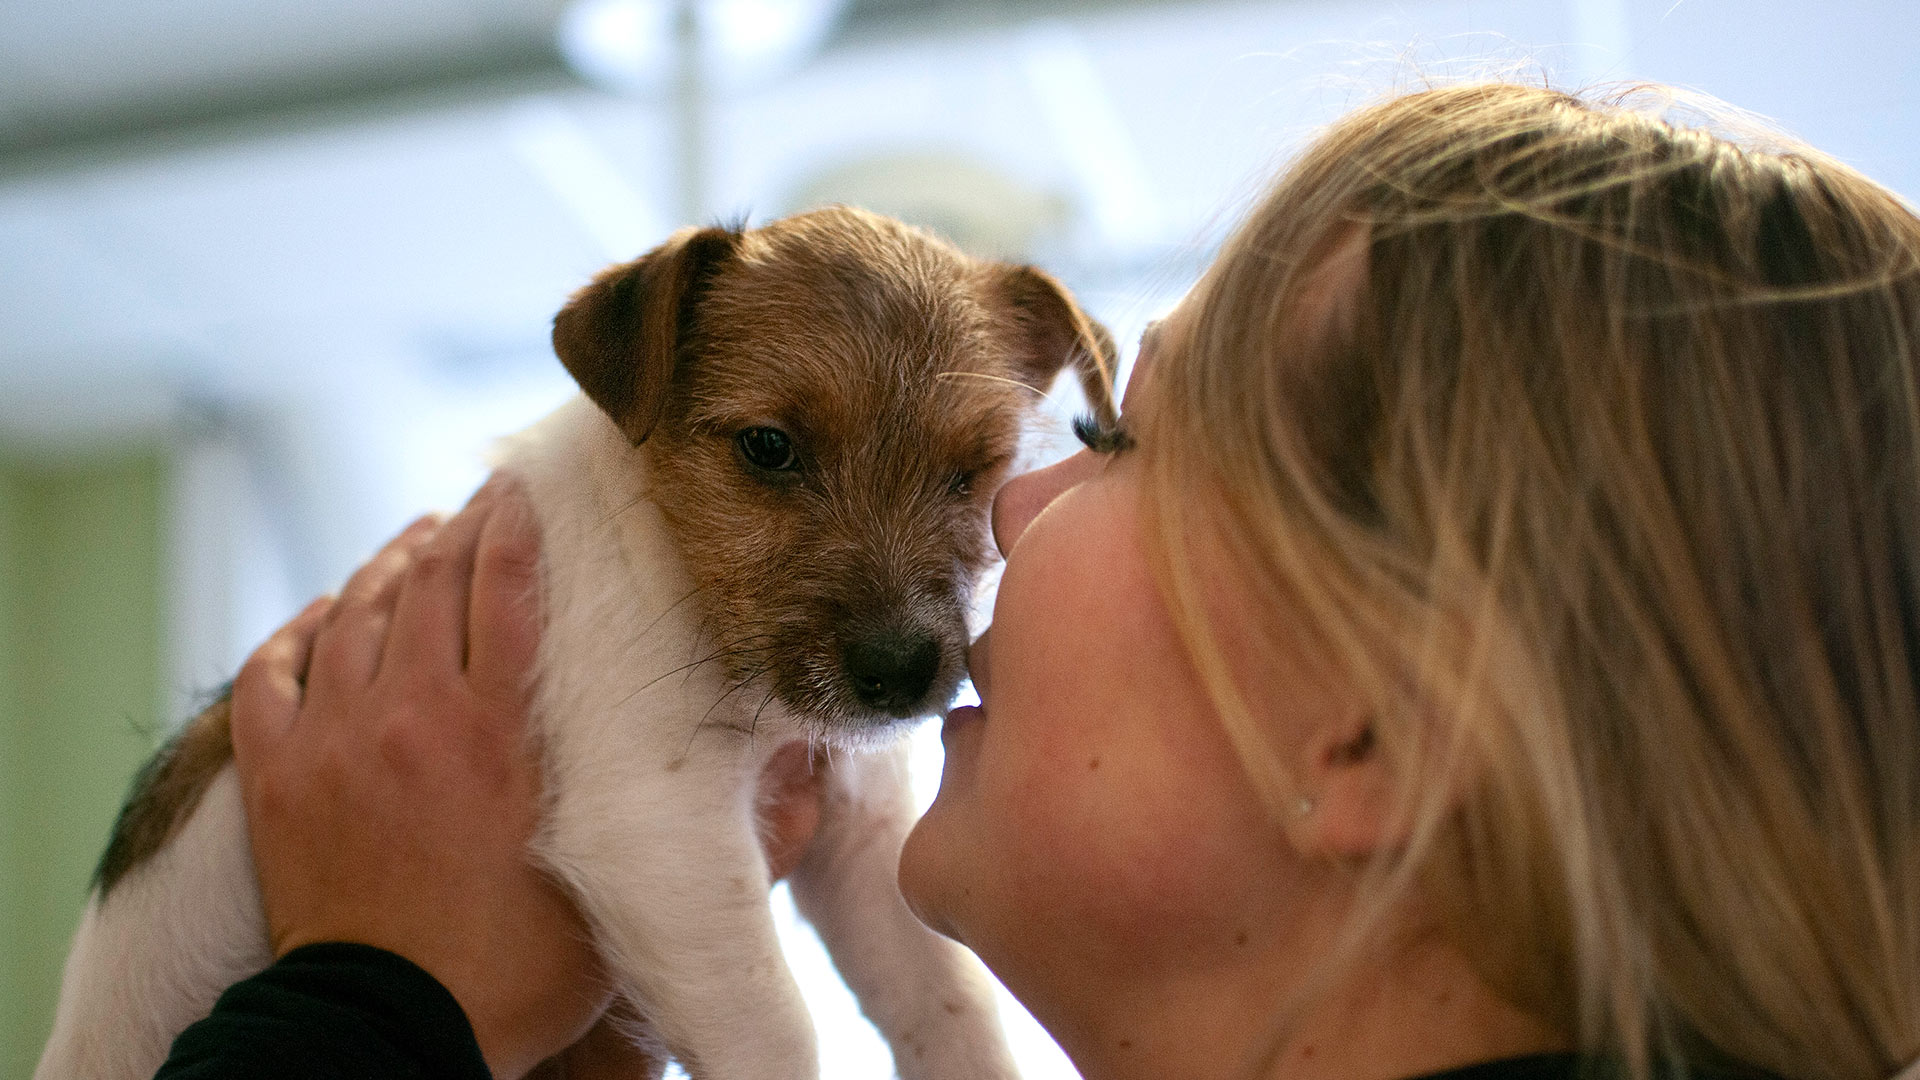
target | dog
[{"x": 762, "y": 521}]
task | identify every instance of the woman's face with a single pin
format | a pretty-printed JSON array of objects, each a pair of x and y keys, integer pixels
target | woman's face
[{"x": 1094, "y": 828}]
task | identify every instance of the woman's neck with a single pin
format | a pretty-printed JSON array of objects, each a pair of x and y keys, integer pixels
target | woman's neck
[{"x": 1422, "y": 1010}]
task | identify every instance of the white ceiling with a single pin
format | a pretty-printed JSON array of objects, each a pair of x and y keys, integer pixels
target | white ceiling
[
  {"x": 438, "y": 232},
  {"x": 76, "y": 65},
  {"x": 375, "y": 230},
  {"x": 93, "y": 69}
]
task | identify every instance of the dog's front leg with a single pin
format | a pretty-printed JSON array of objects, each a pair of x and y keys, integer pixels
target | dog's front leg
[
  {"x": 928, "y": 996},
  {"x": 664, "y": 859}
]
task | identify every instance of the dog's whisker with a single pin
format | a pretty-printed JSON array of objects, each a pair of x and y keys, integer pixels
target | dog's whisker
[
  {"x": 987, "y": 377},
  {"x": 738, "y": 686},
  {"x": 723, "y": 654},
  {"x": 641, "y": 636},
  {"x": 764, "y": 702},
  {"x": 615, "y": 514},
  {"x": 706, "y": 717}
]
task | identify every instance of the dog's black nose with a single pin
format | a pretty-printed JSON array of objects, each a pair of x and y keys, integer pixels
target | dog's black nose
[{"x": 892, "y": 671}]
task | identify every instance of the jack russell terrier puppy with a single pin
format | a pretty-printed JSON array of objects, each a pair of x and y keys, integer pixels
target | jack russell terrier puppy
[{"x": 761, "y": 522}]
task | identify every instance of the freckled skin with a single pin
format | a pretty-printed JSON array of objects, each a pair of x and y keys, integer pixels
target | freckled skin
[{"x": 1156, "y": 852}]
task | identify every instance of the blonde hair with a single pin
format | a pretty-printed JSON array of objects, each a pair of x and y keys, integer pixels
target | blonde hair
[{"x": 1613, "y": 464}]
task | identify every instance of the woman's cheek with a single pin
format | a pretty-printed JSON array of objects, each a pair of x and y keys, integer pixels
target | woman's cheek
[{"x": 1126, "y": 834}]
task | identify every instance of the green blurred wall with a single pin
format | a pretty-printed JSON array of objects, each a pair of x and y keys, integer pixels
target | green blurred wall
[{"x": 80, "y": 615}]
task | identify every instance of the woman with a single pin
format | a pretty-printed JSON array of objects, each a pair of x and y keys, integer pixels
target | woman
[
  {"x": 1535, "y": 491},
  {"x": 1492, "y": 637}
]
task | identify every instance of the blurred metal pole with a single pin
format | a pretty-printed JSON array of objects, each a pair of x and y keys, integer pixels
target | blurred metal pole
[{"x": 690, "y": 113}]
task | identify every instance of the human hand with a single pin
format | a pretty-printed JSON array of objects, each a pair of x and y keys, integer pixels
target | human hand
[
  {"x": 391, "y": 787},
  {"x": 391, "y": 790}
]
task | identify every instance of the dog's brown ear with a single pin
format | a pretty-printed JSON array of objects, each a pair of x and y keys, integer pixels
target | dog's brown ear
[
  {"x": 620, "y": 336},
  {"x": 1053, "y": 332}
]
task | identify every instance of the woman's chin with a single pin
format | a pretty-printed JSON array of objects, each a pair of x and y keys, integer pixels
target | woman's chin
[
  {"x": 924, "y": 873},
  {"x": 931, "y": 870}
]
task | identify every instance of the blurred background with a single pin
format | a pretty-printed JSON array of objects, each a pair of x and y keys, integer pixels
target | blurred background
[{"x": 274, "y": 272}]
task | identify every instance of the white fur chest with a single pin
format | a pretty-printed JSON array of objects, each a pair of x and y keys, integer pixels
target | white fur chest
[
  {"x": 653, "y": 757},
  {"x": 628, "y": 678}
]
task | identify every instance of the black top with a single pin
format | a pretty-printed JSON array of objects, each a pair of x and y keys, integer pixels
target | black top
[
  {"x": 1534, "y": 1067},
  {"x": 354, "y": 1012},
  {"x": 331, "y": 1012},
  {"x": 1578, "y": 1067}
]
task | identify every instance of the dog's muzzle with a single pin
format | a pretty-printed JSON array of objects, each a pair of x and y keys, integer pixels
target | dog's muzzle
[{"x": 891, "y": 671}]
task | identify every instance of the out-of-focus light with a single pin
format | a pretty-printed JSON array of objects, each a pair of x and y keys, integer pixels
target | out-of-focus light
[{"x": 627, "y": 45}]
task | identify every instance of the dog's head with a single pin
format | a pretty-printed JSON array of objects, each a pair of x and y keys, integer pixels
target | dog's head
[{"x": 827, "y": 404}]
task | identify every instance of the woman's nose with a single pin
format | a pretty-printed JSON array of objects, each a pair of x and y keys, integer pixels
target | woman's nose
[{"x": 1021, "y": 499}]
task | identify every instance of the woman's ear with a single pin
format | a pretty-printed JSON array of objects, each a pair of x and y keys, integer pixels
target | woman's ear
[
  {"x": 1351, "y": 799},
  {"x": 620, "y": 335}
]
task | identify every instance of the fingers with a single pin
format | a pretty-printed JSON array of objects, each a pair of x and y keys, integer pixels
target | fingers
[
  {"x": 347, "y": 652},
  {"x": 504, "y": 620},
  {"x": 266, "y": 693},
  {"x": 789, "y": 806},
  {"x": 429, "y": 637}
]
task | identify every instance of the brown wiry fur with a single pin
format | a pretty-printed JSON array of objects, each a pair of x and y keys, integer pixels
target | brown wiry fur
[
  {"x": 165, "y": 792},
  {"x": 900, "y": 368}
]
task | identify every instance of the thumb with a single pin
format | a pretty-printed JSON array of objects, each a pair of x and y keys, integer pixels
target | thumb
[
  {"x": 504, "y": 616},
  {"x": 267, "y": 692},
  {"x": 789, "y": 805}
]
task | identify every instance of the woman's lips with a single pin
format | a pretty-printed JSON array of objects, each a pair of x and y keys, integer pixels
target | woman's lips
[
  {"x": 957, "y": 719},
  {"x": 977, "y": 673},
  {"x": 977, "y": 661}
]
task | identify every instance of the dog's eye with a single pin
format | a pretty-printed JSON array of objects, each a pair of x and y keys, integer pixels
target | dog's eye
[
  {"x": 768, "y": 448},
  {"x": 961, "y": 485}
]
